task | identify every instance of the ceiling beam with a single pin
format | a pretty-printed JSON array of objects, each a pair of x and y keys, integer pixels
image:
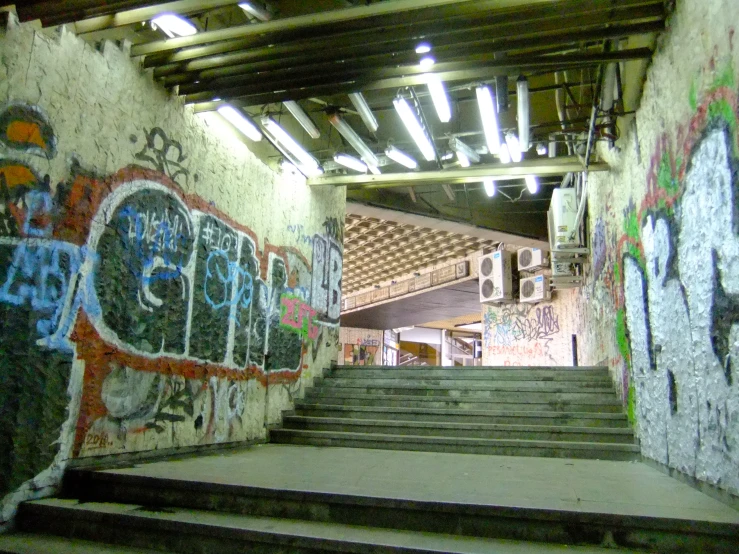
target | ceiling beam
[
  {"x": 328, "y": 19},
  {"x": 368, "y": 56},
  {"x": 403, "y": 32},
  {"x": 475, "y": 174},
  {"x": 139, "y": 15},
  {"x": 292, "y": 87}
]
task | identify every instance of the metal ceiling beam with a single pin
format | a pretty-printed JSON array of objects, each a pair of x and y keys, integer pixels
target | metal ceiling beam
[
  {"x": 403, "y": 33},
  {"x": 365, "y": 55},
  {"x": 56, "y": 12},
  {"x": 329, "y": 18},
  {"x": 295, "y": 86},
  {"x": 475, "y": 174},
  {"x": 139, "y": 15}
]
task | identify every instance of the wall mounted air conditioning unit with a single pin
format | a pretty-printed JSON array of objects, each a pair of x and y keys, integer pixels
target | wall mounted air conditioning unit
[
  {"x": 534, "y": 289},
  {"x": 496, "y": 283},
  {"x": 531, "y": 259},
  {"x": 562, "y": 216}
]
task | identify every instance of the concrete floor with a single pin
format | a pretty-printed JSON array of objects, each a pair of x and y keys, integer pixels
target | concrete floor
[{"x": 627, "y": 488}]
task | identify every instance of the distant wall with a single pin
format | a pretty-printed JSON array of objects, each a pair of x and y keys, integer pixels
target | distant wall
[
  {"x": 523, "y": 334},
  {"x": 661, "y": 305},
  {"x": 360, "y": 346},
  {"x": 156, "y": 287}
]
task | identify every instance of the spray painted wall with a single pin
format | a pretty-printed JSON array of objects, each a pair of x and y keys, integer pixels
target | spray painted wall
[
  {"x": 152, "y": 292},
  {"x": 665, "y": 237},
  {"x": 360, "y": 346},
  {"x": 523, "y": 334}
]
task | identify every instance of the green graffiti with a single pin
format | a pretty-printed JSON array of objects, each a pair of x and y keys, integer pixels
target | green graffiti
[
  {"x": 725, "y": 78},
  {"x": 722, "y": 110},
  {"x": 622, "y": 338},
  {"x": 665, "y": 178},
  {"x": 631, "y": 405},
  {"x": 693, "y": 96},
  {"x": 631, "y": 225}
]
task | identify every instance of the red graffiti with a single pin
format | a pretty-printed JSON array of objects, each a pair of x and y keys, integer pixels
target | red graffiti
[{"x": 298, "y": 315}]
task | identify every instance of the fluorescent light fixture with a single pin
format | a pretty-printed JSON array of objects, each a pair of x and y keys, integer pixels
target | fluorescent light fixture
[
  {"x": 489, "y": 116},
  {"x": 174, "y": 25},
  {"x": 253, "y": 9},
  {"x": 514, "y": 147},
  {"x": 439, "y": 97},
  {"x": 308, "y": 164},
  {"x": 400, "y": 157},
  {"x": 460, "y": 147},
  {"x": 541, "y": 149},
  {"x": 353, "y": 138},
  {"x": 464, "y": 161},
  {"x": 302, "y": 118},
  {"x": 238, "y": 120},
  {"x": 414, "y": 128},
  {"x": 365, "y": 112},
  {"x": 423, "y": 48},
  {"x": 351, "y": 162},
  {"x": 607, "y": 95},
  {"x": 532, "y": 184},
  {"x": 503, "y": 154},
  {"x": 427, "y": 61},
  {"x": 522, "y": 113},
  {"x": 489, "y": 184},
  {"x": 374, "y": 170},
  {"x": 552, "y": 146}
]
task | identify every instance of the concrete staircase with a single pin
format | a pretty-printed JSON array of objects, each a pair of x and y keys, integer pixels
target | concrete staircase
[
  {"x": 554, "y": 412},
  {"x": 118, "y": 513}
]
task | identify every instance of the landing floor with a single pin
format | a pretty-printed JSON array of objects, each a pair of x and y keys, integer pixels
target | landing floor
[{"x": 627, "y": 488}]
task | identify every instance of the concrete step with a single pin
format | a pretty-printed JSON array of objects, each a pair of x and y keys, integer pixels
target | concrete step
[
  {"x": 492, "y": 416},
  {"x": 527, "y": 374},
  {"x": 502, "y": 402},
  {"x": 466, "y": 430},
  {"x": 498, "y": 447},
  {"x": 477, "y": 389},
  {"x": 565, "y": 526},
  {"x": 191, "y": 531},
  {"x": 502, "y": 384},
  {"x": 580, "y": 368},
  {"x": 27, "y": 543}
]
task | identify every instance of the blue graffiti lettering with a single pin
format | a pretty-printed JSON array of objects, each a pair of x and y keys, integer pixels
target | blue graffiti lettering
[{"x": 220, "y": 270}]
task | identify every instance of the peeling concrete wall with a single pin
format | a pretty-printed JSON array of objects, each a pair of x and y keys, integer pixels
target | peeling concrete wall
[
  {"x": 523, "y": 334},
  {"x": 661, "y": 305},
  {"x": 360, "y": 346},
  {"x": 153, "y": 291}
]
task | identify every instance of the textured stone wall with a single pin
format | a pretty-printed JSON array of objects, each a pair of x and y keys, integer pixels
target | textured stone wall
[
  {"x": 523, "y": 334},
  {"x": 154, "y": 292},
  {"x": 661, "y": 305}
]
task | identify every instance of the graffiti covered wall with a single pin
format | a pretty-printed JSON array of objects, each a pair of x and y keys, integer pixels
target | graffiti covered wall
[
  {"x": 152, "y": 292},
  {"x": 360, "y": 346},
  {"x": 662, "y": 302},
  {"x": 523, "y": 334}
]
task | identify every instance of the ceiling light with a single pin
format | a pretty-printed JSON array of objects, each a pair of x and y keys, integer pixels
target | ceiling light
[
  {"x": 308, "y": 164},
  {"x": 489, "y": 184},
  {"x": 414, "y": 128},
  {"x": 353, "y": 138},
  {"x": 174, "y": 25},
  {"x": 374, "y": 170},
  {"x": 253, "y": 9},
  {"x": 439, "y": 97},
  {"x": 427, "y": 61},
  {"x": 350, "y": 162},
  {"x": 423, "y": 48},
  {"x": 302, "y": 118},
  {"x": 514, "y": 147},
  {"x": 238, "y": 120},
  {"x": 552, "y": 146},
  {"x": 532, "y": 184},
  {"x": 522, "y": 98},
  {"x": 364, "y": 110},
  {"x": 489, "y": 116},
  {"x": 400, "y": 157},
  {"x": 464, "y": 161},
  {"x": 541, "y": 149},
  {"x": 460, "y": 147},
  {"x": 503, "y": 155}
]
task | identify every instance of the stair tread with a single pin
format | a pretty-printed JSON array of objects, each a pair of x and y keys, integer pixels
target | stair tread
[
  {"x": 330, "y": 384},
  {"x": 452, "y": 425},
  {"x": 349, "y": 538},
  {"x": 474, "y": 368},
  {"x": 465, "y": 440},
  {"x": 451, "y": 411},
  {"x": 28, "y": 543},
  {"x": 469, "y": 400}
]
